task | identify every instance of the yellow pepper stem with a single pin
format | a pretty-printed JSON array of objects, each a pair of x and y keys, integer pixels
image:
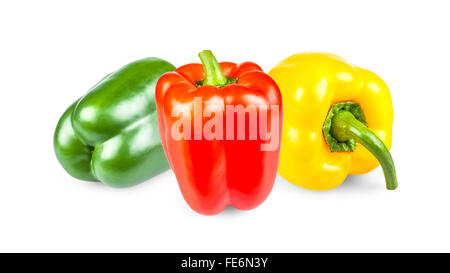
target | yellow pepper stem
[{"x": 344, "y": 126}]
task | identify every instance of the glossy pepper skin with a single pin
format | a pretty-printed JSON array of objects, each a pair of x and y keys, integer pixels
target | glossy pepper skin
[
  {"x": 213, "y": 174},
  {"x": 313, "y": 85},
  {"x": 111, "y": 133}
]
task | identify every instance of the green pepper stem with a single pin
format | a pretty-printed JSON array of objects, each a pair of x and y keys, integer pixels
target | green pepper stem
[
  {"x": 213, "y": 73},
  {"x": 345, "y": 126}
]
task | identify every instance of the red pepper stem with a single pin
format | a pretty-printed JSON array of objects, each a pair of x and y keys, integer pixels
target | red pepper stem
[{"x": 213, "y": 73}]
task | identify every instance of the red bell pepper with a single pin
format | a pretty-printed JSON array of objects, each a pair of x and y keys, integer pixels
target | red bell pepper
[{"x": 207, "y": 125}]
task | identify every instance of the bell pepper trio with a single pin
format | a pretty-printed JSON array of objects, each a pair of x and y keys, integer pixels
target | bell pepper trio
[{"x": 221, "y": 127}]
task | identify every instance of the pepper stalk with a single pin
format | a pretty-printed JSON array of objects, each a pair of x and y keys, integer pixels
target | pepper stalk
[
  {"x": 213, "y": 72},
  {"x": 345, "y": 126}
]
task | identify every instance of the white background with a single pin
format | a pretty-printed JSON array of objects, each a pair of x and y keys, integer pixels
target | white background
[{"x": 51, "y": 52}]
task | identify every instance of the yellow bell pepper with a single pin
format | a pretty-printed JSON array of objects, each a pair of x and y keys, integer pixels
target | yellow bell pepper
[{"x": 329, "y": 107}]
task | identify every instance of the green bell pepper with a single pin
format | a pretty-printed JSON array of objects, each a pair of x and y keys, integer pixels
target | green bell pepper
[{"x": 111, "y": 134}]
